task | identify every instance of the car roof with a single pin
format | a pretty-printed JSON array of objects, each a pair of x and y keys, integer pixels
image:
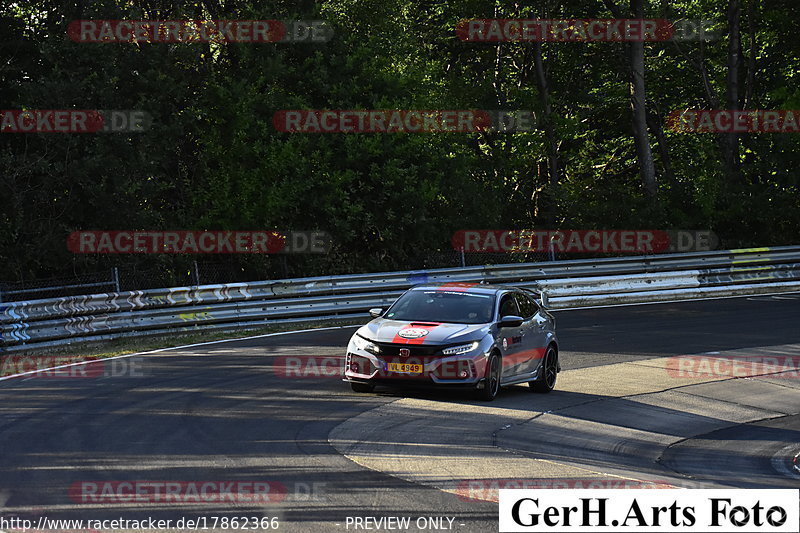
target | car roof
[{"x": 474, "y": 288}]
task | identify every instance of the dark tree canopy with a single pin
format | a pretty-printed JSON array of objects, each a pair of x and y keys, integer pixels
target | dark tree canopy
[{"x": 213, "y": 160}]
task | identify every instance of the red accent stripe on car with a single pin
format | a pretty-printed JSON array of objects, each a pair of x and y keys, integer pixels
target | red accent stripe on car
[
  {"x": 523, "y": 356},
  {"x": 537, "y": 353},
  {"x": 457, "y": 286}
]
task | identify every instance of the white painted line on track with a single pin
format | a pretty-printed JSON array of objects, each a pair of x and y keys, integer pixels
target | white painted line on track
[{"x": 124, "y": 356}]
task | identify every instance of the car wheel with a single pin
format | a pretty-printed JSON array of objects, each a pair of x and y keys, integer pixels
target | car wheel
[
  {"x": 362, "y": 387},
  {"x": 546, "y": 381},
  {"x": 491, "y": 384}
]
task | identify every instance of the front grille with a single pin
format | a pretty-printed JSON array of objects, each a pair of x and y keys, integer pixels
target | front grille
[{"x": 391, "y": 350}]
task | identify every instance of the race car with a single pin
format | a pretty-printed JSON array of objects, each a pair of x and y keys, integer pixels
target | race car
[{"x": 457, "y": 335}]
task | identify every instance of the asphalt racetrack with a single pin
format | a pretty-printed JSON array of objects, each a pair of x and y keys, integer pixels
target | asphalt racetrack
[{"x": 627, "y": 411}]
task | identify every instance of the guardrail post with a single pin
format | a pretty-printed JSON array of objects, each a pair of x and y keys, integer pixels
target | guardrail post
[
  {"x": 463, "y": 262},
  {"x": 196, "y": 274},
  {"x": 115, "y": 278}
]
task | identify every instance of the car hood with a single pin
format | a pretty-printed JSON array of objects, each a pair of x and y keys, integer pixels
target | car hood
[{"x": 425, "y": 333}]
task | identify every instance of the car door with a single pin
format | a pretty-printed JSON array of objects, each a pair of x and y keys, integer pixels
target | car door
[
  {"x": 509, "y": 340},
  {"x": 535, "y": 335},
  {"x": 527, "y": 354}
]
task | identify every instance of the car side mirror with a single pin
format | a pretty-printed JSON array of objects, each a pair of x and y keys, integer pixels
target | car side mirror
[
  {"x": 375, "y": 312},
  {"x": 510, "y": 321}
]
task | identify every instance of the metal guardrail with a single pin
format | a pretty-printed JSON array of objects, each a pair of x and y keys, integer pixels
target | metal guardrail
[{"x": 41, "y": 324}]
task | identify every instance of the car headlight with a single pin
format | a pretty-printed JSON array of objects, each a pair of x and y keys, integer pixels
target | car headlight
[
  {"x": 458, "y": 350},
  {"x": 363, "y": 344}
]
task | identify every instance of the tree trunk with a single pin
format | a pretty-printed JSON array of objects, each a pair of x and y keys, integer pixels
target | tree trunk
[
  {"x": 655, "y": 122},
  {"x": 638, "y": 89},
  {"x": 729, "y": 142},
  {"x": 553, "y": 165},
  {"x": 644, "y": 151}
]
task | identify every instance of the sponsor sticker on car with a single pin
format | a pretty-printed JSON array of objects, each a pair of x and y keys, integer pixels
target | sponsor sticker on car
[{"x": 412, "y": 333}]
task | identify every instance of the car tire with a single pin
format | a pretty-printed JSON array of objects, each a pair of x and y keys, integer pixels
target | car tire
[
  {"x": 361, "y": 387},
  {"x": 491, "y": 385},
  {"x": 546, "y": 381}
]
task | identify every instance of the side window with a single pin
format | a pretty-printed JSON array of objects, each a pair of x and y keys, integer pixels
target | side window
[
  {"x": 526, "y": 307},
  {"x": 508, "y": 307},
  {"x": 534, "y": 302}
]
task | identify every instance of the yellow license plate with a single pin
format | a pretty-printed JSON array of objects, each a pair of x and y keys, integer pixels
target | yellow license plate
[{"x": 405, "y": 368}]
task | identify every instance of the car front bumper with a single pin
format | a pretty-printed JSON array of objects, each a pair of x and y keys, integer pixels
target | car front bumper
[{"x": 459, "y": 370}]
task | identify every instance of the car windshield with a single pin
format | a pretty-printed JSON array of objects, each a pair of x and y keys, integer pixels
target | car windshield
[{"x": 442, "y": 305}]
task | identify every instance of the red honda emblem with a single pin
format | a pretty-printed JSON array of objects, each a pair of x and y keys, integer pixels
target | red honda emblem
[{"x": 405, "y": 352}]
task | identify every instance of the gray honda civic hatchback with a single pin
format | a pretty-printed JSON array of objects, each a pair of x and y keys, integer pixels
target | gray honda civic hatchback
[{"x": 457, "y": 335}]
